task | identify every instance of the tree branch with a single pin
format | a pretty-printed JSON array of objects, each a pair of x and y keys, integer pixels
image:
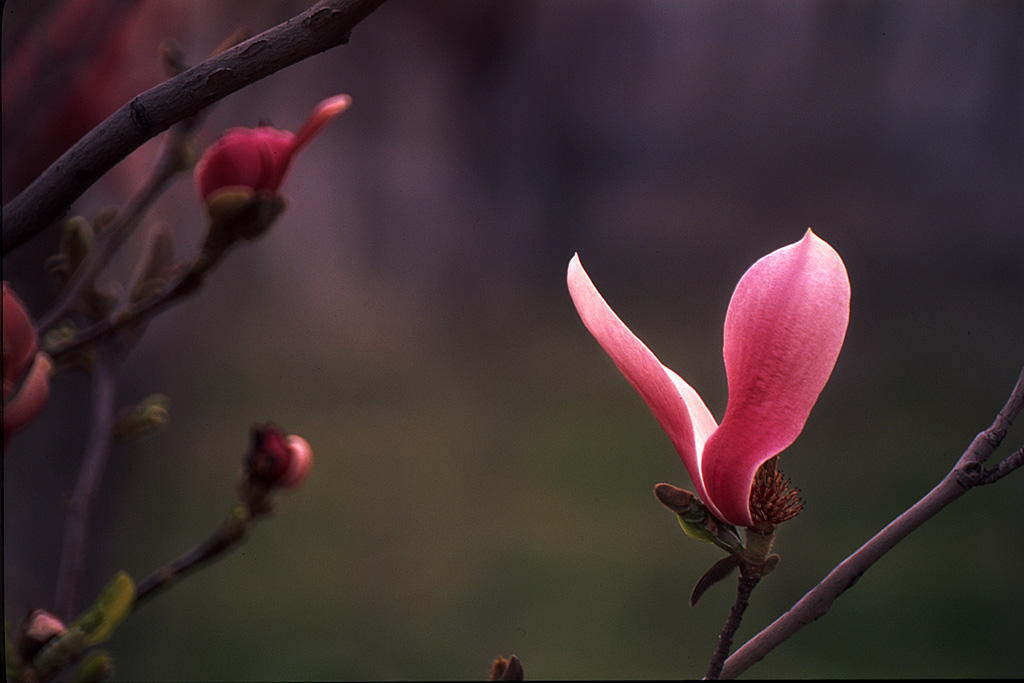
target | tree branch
[
  {"x": 94, "y": 464},
  {"x": 323, "y": 26},
  {"x": 969, "y": 472}
]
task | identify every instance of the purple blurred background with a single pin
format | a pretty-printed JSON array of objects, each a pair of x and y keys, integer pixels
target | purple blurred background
[{"x": 483, "y": 473}]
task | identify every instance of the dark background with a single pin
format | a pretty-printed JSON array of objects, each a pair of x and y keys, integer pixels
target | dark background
[{"x": 483, "y": 473}]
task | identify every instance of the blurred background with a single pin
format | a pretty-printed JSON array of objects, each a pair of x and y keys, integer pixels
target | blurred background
[{"x": 483, "y": 478}]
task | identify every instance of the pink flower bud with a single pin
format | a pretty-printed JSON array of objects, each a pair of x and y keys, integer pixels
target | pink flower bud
[
  {"x": 278, "y": 460},
  {"x": 300, "y": 464},
  {"x": 258, "y": 158},
  {"x": 26, "y": 370},
  {"x": 40, "y": 628}
]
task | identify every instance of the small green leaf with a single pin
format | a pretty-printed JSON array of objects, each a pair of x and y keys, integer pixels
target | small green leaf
[
  {"x": 59, "y": 651},
  {"x": 113, "y": 605},
  {"x": 147, "y": 416},
  {"x": 699, "y": 524},
  {"x": 76, "y": 241}
]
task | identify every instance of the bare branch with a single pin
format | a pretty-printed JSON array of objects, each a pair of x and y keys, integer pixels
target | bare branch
[
  {"x": 967, "y": 474},
  {"x": 94, "y": 464},
  {"x": 323, "y": 26}
]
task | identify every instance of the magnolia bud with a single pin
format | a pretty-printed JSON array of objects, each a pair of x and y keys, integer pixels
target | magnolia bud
[
  {"x": 258, "y": 158},
  {"x": 26, "y": 370},
  {"x": 276, "y": 460},
  {"x": 40, "y": 628},
  {"x": 510, "y": 669}
]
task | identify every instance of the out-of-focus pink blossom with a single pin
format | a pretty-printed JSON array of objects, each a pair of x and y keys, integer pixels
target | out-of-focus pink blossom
[
  {"x": 258, "y": 158},
  {"x": 783, "y": 331},
  {"x": 70, "y": 65},
  {"x": 277, "y": 460},
  {"x": 26, "y": 369}
]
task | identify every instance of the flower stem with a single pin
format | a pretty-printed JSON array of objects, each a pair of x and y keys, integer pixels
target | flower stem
[
  {"x": 230, "y": 532},
  {"x": 749, "y": 578}
]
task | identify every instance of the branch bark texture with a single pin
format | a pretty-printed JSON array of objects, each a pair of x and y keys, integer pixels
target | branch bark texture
[
  {"x": 969, "y": 472},
  {"x": 323, "y": 26}
]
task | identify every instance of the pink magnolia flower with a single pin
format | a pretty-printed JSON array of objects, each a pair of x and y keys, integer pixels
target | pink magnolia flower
[
  {"x": 783, "y": 332},
  {"x": 258, "y": 158},
  {"x": 26, "y": 369}
]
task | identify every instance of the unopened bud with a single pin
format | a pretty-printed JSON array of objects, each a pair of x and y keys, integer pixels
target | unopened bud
[
  {"x": 675, "y": 499},
  {"x": 510, "y": 669},
  {"x": 156, "y": 263},
  {"x": 147, "y": 416},
  {"x": 40, "y": 628},
  {"x": 277, "y": 460},
  {"x": 696, "y": 520},
  {"x": 76, "y": 241},
  {"x": 259, "y": 158}
]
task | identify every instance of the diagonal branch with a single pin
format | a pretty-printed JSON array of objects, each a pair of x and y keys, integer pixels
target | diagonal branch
[
  {"x": 321, "y": 27},
  {"x": 969, "y": 472}
]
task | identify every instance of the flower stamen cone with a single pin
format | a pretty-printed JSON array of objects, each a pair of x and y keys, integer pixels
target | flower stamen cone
[{"x": 772, "y": 499}]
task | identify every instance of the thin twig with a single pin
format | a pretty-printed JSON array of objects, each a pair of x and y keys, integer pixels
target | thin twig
[
  {"x": 968, "y": 473},
  {"x": 1008, "y": 465},
  {"x": 749, "y": 578},
  {"x": 230, "y": 532},
  {"x": 136, "y": 313},
  {"x": 105, "y": 372},
  {"x": 113, "y": 235},
  {"x": 170, "y": 160},
  {"x": 323, "y": 26}
]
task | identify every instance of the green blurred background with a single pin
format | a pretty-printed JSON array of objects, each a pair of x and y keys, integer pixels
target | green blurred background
[{"x": 483, "y": 476}]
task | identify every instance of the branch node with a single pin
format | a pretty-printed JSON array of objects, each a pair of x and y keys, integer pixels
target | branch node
[
  {"x": 318, "y": 18},
  {"x": 140, "y": 117},
  {"x": 254, "y": 49}
]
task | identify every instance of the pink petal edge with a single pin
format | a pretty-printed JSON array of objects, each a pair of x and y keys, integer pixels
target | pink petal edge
[
  {"x": 321, "y": 116},
  {"x": 785, "y": 326},
  {"x": 19, "y": 335},
  {"x": 675, "y": 404},
  {"x": 300, "y": 465}
]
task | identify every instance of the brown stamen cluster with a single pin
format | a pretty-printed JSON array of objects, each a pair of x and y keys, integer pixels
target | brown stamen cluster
[{"x": 772, "y": 499}]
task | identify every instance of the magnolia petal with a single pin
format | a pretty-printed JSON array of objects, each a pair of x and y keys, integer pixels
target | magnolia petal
[
  {"x": 704, "y": 423},
  {"x": 321, "y": 116},
  {"x": 237, "y": 159},
  {"x": 299, "y": 465},
  {"x": 24, "y": 406},
  {"x": 783, "y": 332},
  {"x": 675, "y": 404},
  {"x": 19, "y": 336},
  {"x": 277, "y": 149}
]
